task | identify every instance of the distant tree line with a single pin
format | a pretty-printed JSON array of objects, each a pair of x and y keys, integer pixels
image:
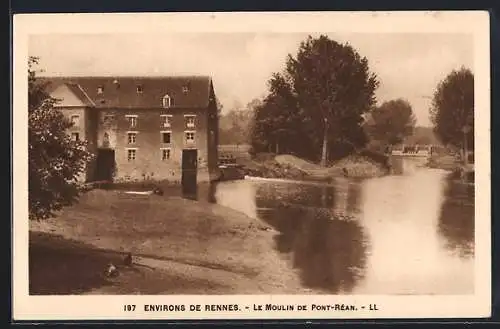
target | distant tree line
[
  {"x": 235, "y": 125},
  {"x": 322, "y": 106}
]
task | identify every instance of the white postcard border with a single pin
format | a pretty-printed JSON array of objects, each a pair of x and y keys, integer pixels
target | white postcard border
[{"x": 27, "y": 307}]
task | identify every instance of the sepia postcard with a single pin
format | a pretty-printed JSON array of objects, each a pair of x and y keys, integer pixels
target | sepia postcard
[{"x": 284, "y": 165}]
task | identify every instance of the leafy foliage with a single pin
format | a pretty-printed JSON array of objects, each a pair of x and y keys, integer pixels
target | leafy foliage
[
  {"x": 235, "y": 126},
  {"x": 327, "y": 85},
  {"x": 393, "y": 121},
  {"x": 278, "y": 123},
  {"x": 453, "y": 108},
  {"x": 422, "y": 136},
  {"x": 55, "y": 160}
]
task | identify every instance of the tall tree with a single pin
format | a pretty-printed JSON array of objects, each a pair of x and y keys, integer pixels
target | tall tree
[
  {"x": 334, "y": 85},
  {"x": 452, "y": 110},
  {"x": 328, "y": 86},
  {"x": 393, "y": 121},
  {"x": 279, "y": 125},
  {"x": 55, "y": 160}
]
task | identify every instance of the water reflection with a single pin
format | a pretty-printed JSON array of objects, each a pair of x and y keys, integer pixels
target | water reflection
[
  {"x": 316, "y": 225},
  {"x": 456, "y": 219},
  {"x": 406, "y": 166},
  {"x": 407, "y": 233}
]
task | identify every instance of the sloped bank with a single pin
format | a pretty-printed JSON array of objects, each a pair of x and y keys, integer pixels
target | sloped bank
[
  {"x": 224, "y": 251},
  {"x": 361, "y": 165},
  {"x": 454, "y": 166}
]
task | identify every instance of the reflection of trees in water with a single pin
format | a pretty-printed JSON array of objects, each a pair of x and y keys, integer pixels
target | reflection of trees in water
[
  {"x": 329, "y": 252},
  {"x": 397, "y": 165},
  {"x": 456, "y": 219},
  {"x": 270, "y": 195}
]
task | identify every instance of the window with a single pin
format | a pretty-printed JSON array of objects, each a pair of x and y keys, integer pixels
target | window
[
  {"x": 165, "y": 154},
  {"x": 132, "y": 120},
  {"x": 100, "y": 90},
  {"x": 166, "y": 101},
  {"x": 139, "y": 89},
  {"x": 75, "y": 137},
  {"x": 131, "y": 154},
  {"x": 166, "y": 137},
  {"x": 190, "y": 119},
  {"x": 75, "y": 120},
  {"x": 189, "y": 136},
  {"x": 165, "y": 120},
  {"x": 131, "y": 137},
  {"x": 105, "y": 140},
  {"x": 108, "y": 119}
]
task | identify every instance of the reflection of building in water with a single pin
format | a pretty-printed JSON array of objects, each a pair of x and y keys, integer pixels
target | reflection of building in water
[
  {"x": 396, "y": 165},
  {"x": 456, "y": 219},
  {"x": 405, "y": 166}
]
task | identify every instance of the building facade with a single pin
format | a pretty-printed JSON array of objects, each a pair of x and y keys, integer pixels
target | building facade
[{"x": 159, "y": 128}]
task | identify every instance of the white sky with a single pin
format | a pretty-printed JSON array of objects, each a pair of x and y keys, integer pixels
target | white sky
[{"x": 408, "y": 65}]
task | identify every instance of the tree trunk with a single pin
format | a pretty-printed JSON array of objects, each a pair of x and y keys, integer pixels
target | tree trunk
[
  {"x": 466, "y": 156},
  {"x": 325, "y": 145}
]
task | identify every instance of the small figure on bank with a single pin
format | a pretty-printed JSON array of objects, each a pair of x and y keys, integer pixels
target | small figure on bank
[
  {"x": 128, "y": 260},
  {"x": 158, "y": 191},
  {"x": 345, "y": 172},
  {"x": 111, "y": 271}
]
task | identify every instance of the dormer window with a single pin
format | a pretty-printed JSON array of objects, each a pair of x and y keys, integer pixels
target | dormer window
[
  {"x": 167, "y": 101},
  {"x": 139, "y": 89},
  {"x": 100, "y": 90},
  {"x": 186, "y": 87}
]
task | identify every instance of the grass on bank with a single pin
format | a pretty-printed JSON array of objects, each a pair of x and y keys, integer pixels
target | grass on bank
[
  {"x": 185, "y": 241},
  {"x": 362, "y": 165}
]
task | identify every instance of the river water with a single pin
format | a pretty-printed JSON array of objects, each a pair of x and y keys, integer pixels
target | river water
[{"x": 411, "y": 232}]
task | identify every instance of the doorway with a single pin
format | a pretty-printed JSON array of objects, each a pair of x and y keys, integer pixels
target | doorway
[
  {"x": 105, "y": 165},
  {"x": 189, "y": 170}
]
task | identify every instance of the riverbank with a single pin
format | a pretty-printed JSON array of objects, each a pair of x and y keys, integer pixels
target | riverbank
[
  {"x": 453, "y": 165},
  {"x": 179, "y": 247},
  {"x": 291, "y": 167}
]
